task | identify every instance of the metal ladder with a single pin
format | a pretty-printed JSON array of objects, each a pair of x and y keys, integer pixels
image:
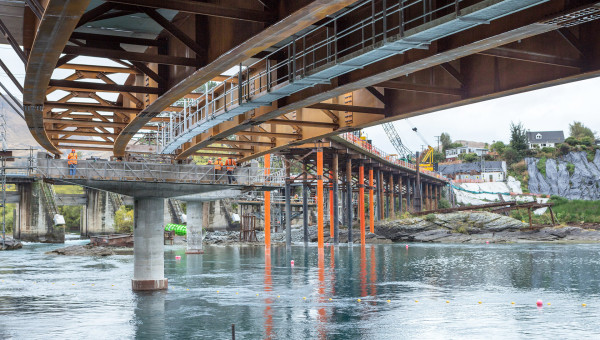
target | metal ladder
[
  {"x": 49, "y": 199},
  {"x": 176, "y": 210}
]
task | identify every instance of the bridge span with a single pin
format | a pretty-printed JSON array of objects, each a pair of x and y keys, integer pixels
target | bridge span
[{"x": 249, "y": 79}]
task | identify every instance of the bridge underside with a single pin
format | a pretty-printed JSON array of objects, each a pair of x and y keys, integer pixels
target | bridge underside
[{"x": 161, "y": 54}]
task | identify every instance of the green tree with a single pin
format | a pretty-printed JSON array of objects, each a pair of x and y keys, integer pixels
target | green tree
[
  {"x": 578, "y": 131},
  {"x": 498, "y": 147},
  {"x": 445, "y": 140},
  {"x": 438, "y": 156},
  {"x": 469, "y": 157},
  {"x": 511, "y": 155},
  {"x": 454, "y": 145},
  {"x": 518, "y": 137}
]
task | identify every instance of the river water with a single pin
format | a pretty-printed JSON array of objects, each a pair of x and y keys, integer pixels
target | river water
[{"x": 426, "y": 291}]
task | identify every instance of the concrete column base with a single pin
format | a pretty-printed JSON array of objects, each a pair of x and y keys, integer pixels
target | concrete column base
[
  {"x": 140, "y": 285},
  {"x": 192, "y": 252}
]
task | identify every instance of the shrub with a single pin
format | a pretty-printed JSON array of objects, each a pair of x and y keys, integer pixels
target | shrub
[
  {"x": 571, "y": 168},
  {"x": 462, "y": 230},
  {"x": 547, "y": 149},
  {"x": 124, "y": 220},
  {"x": 571, "y": 141},
  {"x": 430, "y": 217},
  {"x": 564, "y": 149},
  {"x": 541, "y": 166},
  {"x": 443, "y": 204}
]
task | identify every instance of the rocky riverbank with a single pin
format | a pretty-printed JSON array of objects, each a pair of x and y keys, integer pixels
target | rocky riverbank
[
  {"x": 89, "y": 250},
  {"x": 477, "y": 227},
  {"x": 10, "y": 244}
]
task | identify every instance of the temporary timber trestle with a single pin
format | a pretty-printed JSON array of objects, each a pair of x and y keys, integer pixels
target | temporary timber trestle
[{"x": 390, "y": 188}]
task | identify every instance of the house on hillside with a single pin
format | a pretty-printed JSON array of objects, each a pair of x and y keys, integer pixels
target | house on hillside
[
  {"x": 487, "y": 171},
  {"x": 453, "y": 153},
  {"x": 540, "y": 139}
]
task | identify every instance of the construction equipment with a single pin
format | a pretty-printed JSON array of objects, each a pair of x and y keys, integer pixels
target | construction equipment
[
  {"x": 426, "y": 158},
  {"x": 403, "y": 152}
]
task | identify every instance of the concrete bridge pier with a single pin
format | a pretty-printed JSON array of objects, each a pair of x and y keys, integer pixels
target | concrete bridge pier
[
  {"x": 148, "y": 245},
  {"x": 34, "y": 220},
  {"x": 194, "y": 227},
  {"x": 98, "y": 216}
]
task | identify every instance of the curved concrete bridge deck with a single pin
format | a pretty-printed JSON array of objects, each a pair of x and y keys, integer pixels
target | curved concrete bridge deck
[{"x": 158, "y": 179}]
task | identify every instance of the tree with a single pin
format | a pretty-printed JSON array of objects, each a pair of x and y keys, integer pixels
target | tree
[
  {"x": 469, "y": 157},
  {"x": 445, "y": 140},
  {"x": 438, "y": 156},
  {"x": 578, "y": 131},
  {"x": 498, "y": 147},
  {"x": 518, "y": 137},
  {"x": 511, "y": 155}
]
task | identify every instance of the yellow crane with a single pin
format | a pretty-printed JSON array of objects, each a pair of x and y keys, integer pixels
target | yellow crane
[{"x": 426, "y": 158}]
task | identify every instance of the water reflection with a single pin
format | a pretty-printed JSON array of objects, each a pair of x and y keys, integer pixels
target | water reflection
[
  {"x": 268, "y": 312},
  {"x": 150, "y": 315},
  {"x": 47, "y": 295}
]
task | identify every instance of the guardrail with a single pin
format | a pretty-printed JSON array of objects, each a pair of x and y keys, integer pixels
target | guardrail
[
  {"x": 352, "y": 138},
  {"x": 317, "y": 56},
  {"x": 148, "y": 172}
]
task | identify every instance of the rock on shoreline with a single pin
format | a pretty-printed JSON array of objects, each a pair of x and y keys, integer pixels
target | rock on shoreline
[
  {"x": 89, "y": 250},
  {"x": 476, "y": 227}
]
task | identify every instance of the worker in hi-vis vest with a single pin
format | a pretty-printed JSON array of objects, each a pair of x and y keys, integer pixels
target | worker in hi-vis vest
[
  {"x": 230, "y": 164},
  {"x": 72, "y": 161}
]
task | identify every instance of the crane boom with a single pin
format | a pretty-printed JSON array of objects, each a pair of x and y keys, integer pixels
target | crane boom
[{"x": 403, "y": 151}]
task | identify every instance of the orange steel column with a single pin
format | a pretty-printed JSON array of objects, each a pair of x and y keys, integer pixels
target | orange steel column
[
  {"x": 361, "y": 201},
  {"x": 267, "y": 206},
  {"x": 331, "y": 206},
  {"x": 320, "y": 208},
  {"x": 371, "y": 203}
]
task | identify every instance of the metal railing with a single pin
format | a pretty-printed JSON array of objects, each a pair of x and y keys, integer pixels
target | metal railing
[
  {"x": 392, "y": 158},
  {"x": 149, "y": 172},
  {"x": 329, "y": 51}
]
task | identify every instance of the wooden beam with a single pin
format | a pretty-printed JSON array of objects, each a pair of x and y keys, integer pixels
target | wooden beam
[
  {"x": 94, "y": 13},
  {"x": 72, "y": 85},
  {"x": 132, "y": 56},
  {"x": 397, "y": 85},
  {"x": 82, "y": 141},
  {"x": 245, "y": 142},
  {"x": 202, "y": 8},
  {"x": 226, "y": 149},
  {"x": 114, "y": 39},
  {"x": 80, "y": 147},
  {"x": 531, "y": 57},
  {"x": 175, "y": 31},
  {"x": 214, "y": 154},
  {"x": 84, "y": 107},
  {"x": 348, "y": 108},
  {"x": 302, "y": 123},
  {"x": 96, "y": 68},
  {"x": 376, "y": 94},
  {"x": 269, "y": 134},
  {"x": 84, "y": 123},
  {"x": 453, "y": 72},
  {"x": 82, "y": 133}
]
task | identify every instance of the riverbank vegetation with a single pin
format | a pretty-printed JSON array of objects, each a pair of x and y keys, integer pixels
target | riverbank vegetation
[{"x": 566, "y": 212}]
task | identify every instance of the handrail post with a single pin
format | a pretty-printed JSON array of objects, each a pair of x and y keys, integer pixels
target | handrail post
[{"x": 240, "y": 80}]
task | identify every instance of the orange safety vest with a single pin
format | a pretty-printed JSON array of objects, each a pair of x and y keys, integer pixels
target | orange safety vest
[
  {"x": 230, "y": 163},
  {"x": 218, "y": 165},
  {"x": 72, "y": 158}
]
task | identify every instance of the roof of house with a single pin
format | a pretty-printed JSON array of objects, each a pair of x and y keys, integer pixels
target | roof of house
[
  {"x": 547, "y": 136},
  {"x": 463, "y": 168}
]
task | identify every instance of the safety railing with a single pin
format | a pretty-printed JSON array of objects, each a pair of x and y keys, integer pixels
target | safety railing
[
  {"x": 363, "y": 144},
  {"x": 389, "y": 27},
  {"x": 149, "y": 172}
]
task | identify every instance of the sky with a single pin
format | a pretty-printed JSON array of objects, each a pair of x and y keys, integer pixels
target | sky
[{"x": 552, "y": 108}]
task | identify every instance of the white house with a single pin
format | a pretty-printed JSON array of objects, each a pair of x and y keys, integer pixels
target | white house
[
  {"x": 453, "y": 153},
  {"x": 487, "y": 171},
  {"x": 540, "y": 139}
]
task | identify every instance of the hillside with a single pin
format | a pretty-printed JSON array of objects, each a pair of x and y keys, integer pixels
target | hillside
[{"x": 572, "y": 176}]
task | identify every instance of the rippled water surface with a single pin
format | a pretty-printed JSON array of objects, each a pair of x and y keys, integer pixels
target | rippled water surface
[{"x": 425, "y": 291}]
